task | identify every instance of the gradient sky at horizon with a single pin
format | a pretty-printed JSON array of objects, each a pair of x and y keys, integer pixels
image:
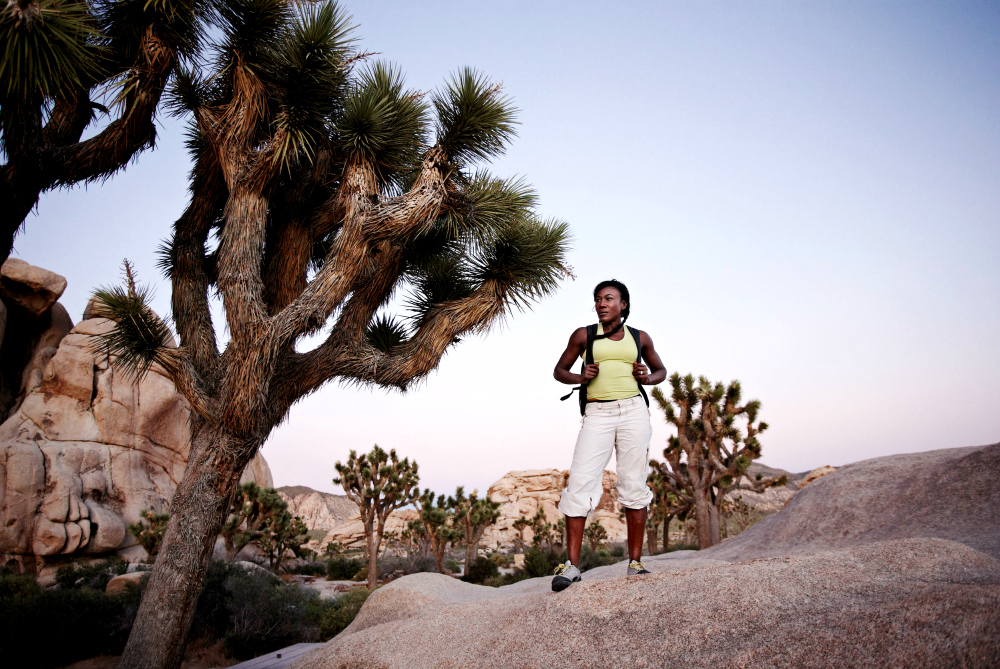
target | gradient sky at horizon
[{"x": 803, "y": 196}]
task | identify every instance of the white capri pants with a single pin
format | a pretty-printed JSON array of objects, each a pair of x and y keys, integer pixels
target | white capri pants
[{"x": 621, "y": 426}]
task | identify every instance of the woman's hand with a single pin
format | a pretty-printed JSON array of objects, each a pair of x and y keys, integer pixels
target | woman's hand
[
  {"x": 640, "y": 372},
  {"x": 589, "y": 372}
]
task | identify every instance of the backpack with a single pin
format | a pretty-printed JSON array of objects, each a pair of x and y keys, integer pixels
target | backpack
[{"x": 589, "y": 360}]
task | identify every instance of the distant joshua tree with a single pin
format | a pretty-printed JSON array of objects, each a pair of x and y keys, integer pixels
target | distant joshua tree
[
  {"x": 520, "y": 525},
  {"x": 595, "y": 534},
  {"x": 669, "y": 502},
  {"x": 438, "y": 518},
  {"x": 379, "y": 483},
  {"x": 251, "y": 510},
  {"x": 472, "y": 516},
  {"x": 283, "y": 533},
  {"x": 709, "y": 455}
]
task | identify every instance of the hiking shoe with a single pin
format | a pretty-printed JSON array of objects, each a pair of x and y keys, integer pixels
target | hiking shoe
[
  {"x": 635, "y": 567},
  {"x": 566, "y": 575}
]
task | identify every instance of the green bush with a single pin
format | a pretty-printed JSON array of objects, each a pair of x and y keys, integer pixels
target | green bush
[
  {"x": 590, "y": 559},
  {"x": 84, "y": 621},
  {"x": 265, "y": 614},
  {"x": 308, "y": 569},
  {"x": 540, "y": 563},
  {"x": 335, "y": 615},
  {"x": 343, "y": 569},
  {"x": 454, "y": 566},
  {"x": 483, "y": 569},
  {"x": 95, "y": 575},
  {"x": 681, "y": 546},
  {"x": 404, "y": 566}
]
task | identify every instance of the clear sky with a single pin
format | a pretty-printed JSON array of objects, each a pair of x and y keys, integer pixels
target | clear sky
[{"x": 801, "y": 195}]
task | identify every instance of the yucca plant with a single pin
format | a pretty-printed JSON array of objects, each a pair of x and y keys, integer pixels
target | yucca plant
[
  {"x": 378, "y": 483},
  {"x": 473, "y": 515},
  {"x": 322, "y": 187},
  {"x": 710, "y": 454},
  {"x": 66, "y": 64}
]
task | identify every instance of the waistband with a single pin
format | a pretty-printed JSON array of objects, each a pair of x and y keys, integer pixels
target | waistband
[{"x": 624, "y": 402}]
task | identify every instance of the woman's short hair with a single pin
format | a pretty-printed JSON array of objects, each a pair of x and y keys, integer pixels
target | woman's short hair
[{"x": 622, "y": 290}]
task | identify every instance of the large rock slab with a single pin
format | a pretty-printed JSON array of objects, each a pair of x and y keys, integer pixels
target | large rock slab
[
  {"x": 33, "y": 289},
  {"x": 887, "y": 562},
  {"x": 318, "y": 510},
  {"x": 87, "y": 451},
  {"x": 950, "y": 494},
  {"x": 908, "y": 603}
]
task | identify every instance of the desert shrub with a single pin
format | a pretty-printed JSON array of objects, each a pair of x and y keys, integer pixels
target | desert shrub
[
  {"x": 95, "y": 575},
  {"x": 85, "y": 621},
  {"x": 343, "y": 569},
  {"x": 264, "y": 614},
  {"x": 308, "y": 569},
  {"x": 538, "y": 562},
  {"x": 454, "y": 566},
  {"x": 617, "y": 551},
  {"x": 333, "y": 616},
  {"x": 404, "y": 566},
  {"x": 483, "y": 568},
  {"x": 590, "y": 559}
]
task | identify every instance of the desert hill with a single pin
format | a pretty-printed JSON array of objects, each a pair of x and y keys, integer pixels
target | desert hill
[{"x": 890, "y": 561}]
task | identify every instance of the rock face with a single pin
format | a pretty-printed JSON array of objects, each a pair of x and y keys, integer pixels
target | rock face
[
  {"x": 888, "y": 562},
  {"x": 86, "y": 451},
  {"x": 819, "y": 472},
  {"x": 351, "y": 533},
  {"x": 318, "y": 510},
  {"x": 522, "y": 493}
]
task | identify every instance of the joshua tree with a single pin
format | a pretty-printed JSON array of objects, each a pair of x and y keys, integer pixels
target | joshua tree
[
  {"x": 561, "y": 531},
  {"x": 595, "y": 534},
  {"x": 738, "y": 510},
  {"x": 541, "y": 529},
  {"x": 472, "y": 517},
  {"x": 521, "y": 524},
  {"x": 416, "y": 537},
  {"x": 710, "y": 454},
  {"x": 283, "y": 533},
  {"x": 59, "y": 60},
  {"x": 438, "y": 519},
  {"x": 669, "y": 502},
  {"x": 250, "y": 512},
  {"x": 379, "y": 483},
  {"x": 326, "y": 190},
  {"x": 149, "y": 531}
]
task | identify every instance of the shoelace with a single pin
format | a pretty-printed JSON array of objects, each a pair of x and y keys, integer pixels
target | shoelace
[
  {"x": 561, "y": 568},
  {"x": 636, "y": 565}
]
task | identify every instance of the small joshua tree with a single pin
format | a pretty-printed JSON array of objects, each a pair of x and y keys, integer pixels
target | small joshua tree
[
  {"x": 710, "y": 454},
  {"x": 251, "y": 510},
  {"x": 149, "y": 530},
  {"x": 379, "y": 483},
  {"x": 561, "y": 531},
  {"x": 520, "y": 525},
  {"x": 472, "y": 516},
  {"x": 542, "y": 529},
  {"x": 283, "y": 533},
  {"x": 438, "y": 519},
  {"x": 669, "y": 502},
  {"x": 595, "y": 534}
]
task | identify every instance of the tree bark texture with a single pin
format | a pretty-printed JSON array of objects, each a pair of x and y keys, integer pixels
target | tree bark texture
[{"x": 197, "y": 513}]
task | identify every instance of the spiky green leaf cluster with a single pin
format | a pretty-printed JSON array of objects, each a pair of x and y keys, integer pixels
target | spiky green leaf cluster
[
  {"x": 139, "y": 337},
  {"x": 474, "y": 119},
  {"x": 383, "y": 124},
  {"x": 47, "y": 47},
  {"x": 385, "y": 333}
]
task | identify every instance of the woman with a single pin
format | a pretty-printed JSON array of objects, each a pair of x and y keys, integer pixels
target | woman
[{"x": 616, "y": 419}]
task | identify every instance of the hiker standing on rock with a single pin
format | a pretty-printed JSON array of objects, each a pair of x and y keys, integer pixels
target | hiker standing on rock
[{"x": 615, "y": 413}]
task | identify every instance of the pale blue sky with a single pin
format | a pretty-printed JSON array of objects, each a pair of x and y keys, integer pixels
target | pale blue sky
[{"x": 803, "y": 196}]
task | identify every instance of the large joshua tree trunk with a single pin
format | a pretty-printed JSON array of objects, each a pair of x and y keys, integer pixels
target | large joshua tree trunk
[
  {"x": 703, "y": 517},
  {"x": 197, "y": 512}
]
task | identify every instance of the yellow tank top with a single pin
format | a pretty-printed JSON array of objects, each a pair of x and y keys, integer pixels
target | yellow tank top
[{"x": 614, "y": 381}]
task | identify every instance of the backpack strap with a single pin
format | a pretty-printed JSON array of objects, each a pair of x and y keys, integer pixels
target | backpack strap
[
  {"x": 588, "y": 359},
  {"x": 638, "y": 348}
]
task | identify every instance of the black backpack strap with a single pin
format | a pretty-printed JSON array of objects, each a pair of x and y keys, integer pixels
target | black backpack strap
[
  {"x": 588, "y": 359},
  {"x": 638, "y": 348}
]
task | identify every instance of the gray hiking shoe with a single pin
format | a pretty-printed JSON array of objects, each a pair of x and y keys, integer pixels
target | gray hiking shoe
[
  {"x": 566, "y": 575},
  {"x": 635, "y": 568}
]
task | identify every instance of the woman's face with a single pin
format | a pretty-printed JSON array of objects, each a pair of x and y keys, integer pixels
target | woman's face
[{"x": 608, "y": 304}]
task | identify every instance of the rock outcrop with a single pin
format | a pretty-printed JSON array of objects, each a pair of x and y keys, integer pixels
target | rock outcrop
[
  {"x": 84, "y": 450},
  {"x": 351, "y": 533},
  {"x": 522, "y": 493},
  {"x": 320, "y": 511},
  {"x": 892, "y": 561}
]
